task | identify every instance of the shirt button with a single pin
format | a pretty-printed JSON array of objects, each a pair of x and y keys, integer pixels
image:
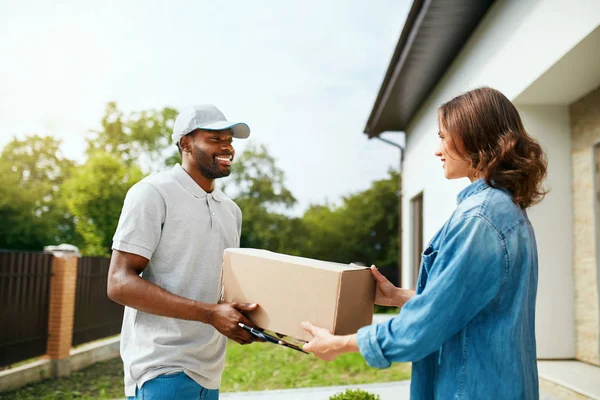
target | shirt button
[{"x": 214, "y": 214}]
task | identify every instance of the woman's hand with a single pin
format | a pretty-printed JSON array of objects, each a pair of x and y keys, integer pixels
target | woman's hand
[
  {"x": 327, "y": 346},
  {"x": 387, "y": 294}
]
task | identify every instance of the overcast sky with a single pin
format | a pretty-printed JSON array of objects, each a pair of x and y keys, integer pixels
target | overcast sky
[{"x": 303, "y": 74}]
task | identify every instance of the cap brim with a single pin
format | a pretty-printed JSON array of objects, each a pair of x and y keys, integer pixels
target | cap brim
[{"x": 240, "y": 130}]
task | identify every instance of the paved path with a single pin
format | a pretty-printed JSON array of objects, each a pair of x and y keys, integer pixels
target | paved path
[{"x": 387, "y": 391}]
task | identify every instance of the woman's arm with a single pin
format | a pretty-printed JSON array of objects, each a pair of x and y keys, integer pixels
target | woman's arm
[{"x": 468, "y": 273}]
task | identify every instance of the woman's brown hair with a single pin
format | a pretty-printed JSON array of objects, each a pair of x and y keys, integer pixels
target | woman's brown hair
[{"x": 485, "y": 129}]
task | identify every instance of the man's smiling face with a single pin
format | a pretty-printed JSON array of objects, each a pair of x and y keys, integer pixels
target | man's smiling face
[{"x": 213, "y": 152}]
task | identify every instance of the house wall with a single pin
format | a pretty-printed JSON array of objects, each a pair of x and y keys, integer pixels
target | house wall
[
  {"x": 553, "y": 223},
  {"x": 585, "y": 134},
  {"x": 509, "y": 50}
]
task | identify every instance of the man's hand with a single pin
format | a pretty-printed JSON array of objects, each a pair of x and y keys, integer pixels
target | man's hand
[
  {"x": 386, "y": 293},
  {"x": 327, "y": 346},
  {"x": 226, "y": 317},
  {"x": 125, "y": 286}
]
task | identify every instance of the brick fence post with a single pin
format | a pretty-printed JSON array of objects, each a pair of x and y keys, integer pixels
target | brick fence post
[{"x": 62, "y": 311}]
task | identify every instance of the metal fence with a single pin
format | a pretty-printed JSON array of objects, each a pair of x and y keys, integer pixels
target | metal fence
[
  {"x": 96, "y": 316},
  {"x": 24, "y": 305}
]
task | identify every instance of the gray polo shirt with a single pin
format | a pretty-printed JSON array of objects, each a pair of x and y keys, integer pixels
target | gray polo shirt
[{"x": 170, "y": 220}]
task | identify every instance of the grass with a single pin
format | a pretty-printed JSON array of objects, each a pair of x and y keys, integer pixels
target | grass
[
  {"x": 260, "y": 366},
  {"x": 100, "y": 381},
  {"x": 263, "y": 366}
]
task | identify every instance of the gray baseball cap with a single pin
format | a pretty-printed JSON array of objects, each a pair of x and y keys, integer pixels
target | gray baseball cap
[{"x": 209, "y": 117}]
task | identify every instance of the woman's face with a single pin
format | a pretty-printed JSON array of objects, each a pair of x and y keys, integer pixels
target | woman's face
[{"x": 454, "y": 166}]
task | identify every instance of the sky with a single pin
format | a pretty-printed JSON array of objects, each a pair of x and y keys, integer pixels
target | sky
[{"x": 303, "y": 74}]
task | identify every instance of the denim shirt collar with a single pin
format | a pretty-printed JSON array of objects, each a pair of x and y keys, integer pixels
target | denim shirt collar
[{"x": 473, "y": 188}]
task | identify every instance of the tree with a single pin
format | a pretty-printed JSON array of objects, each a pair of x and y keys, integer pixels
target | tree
[
  {"x": 258, "y": 187},
  {"x": 32, "y": 209},
  {"x": 256, "y": 176},
  {"x": 95, "y": 195},
  {"x": 364, "y": 228},
  {"x": 142, "y": 137},
  {"x": 372, "y": 217}
]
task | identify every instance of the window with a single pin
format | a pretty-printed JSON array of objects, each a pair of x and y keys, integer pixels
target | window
[{"x": 416, "y": 211}]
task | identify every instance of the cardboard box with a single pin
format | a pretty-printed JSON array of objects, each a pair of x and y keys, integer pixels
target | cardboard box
[{"x": 291, "y": 289}]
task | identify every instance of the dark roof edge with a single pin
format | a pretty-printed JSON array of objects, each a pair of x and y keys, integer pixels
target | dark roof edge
[{"x": 411, "y": 26}]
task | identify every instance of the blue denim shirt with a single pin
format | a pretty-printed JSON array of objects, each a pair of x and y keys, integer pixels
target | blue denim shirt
[{"x": 470, "y": 328}]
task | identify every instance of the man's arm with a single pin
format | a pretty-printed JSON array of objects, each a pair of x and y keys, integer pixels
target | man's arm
[{"x": 126, "y": 287}]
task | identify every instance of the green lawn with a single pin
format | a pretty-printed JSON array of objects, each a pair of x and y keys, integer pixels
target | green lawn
[
  {"x": 260, "y": 366},
  {"x": 276, "y": 367}
]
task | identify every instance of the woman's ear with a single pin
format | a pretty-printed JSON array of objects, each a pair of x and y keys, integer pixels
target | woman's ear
[{"x": 475, "y": 173}]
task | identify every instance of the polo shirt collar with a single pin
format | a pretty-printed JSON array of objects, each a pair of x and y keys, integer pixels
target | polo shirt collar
[{"x": 191, "y": 186}]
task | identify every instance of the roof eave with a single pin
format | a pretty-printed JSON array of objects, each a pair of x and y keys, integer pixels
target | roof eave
[
  {"x": 434, "y": 34},
  {"x": 402, "y": 47}
]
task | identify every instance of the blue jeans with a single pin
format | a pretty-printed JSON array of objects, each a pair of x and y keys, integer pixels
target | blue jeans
[{"x": 174, "y": 386}]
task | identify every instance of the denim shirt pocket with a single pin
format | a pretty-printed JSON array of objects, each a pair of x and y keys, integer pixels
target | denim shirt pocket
[{"x": 427, "y": 259}]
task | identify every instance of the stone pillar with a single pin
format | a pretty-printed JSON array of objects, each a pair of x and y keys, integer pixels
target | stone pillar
[{"x": 585, "y": 135}]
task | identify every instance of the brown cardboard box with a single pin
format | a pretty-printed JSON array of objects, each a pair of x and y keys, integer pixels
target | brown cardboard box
[{"x": 292, "y": 289}]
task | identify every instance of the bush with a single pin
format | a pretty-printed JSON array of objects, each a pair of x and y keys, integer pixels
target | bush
[
  {"x": 385, "y": 310},
  {"x": 356, "y": 394}
]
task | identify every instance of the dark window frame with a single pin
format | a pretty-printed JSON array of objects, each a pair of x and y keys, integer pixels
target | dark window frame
[{"x": 416, "y": 229}]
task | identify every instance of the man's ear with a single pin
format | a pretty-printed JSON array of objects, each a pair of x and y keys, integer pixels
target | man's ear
[{"x": 185, "y": 144}]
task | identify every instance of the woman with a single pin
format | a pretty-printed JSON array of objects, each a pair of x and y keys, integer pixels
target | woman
[{"x": 469, "y": 328}]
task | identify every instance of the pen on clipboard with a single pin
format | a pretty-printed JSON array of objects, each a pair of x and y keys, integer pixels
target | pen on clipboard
[
  {"x": 269, "y": 338},
  {"x": 262, "y": 335}
]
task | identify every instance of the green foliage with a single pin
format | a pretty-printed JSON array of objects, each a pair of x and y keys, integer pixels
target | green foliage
[
  {"x": 47, "y": 199},
  {"x": 95, "y": 195},
  {"x": 32, "y": 209},
  {"x": 356, "y": 394},
  {"x": 263, "y": 229},
  {"x": 257, "y": 179},
  {"x": 258, "y": 187},
  {"x": 143, "y": 136},
  {"x": 384, "y": 309},
  {"x": 364, "y": 228}
]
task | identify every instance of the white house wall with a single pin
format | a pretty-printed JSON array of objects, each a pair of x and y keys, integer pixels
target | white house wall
[
  {"x": 508, "y": 51},
  {"x": 553, "y": 222},
  {"x": 552, "y": 28}
]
